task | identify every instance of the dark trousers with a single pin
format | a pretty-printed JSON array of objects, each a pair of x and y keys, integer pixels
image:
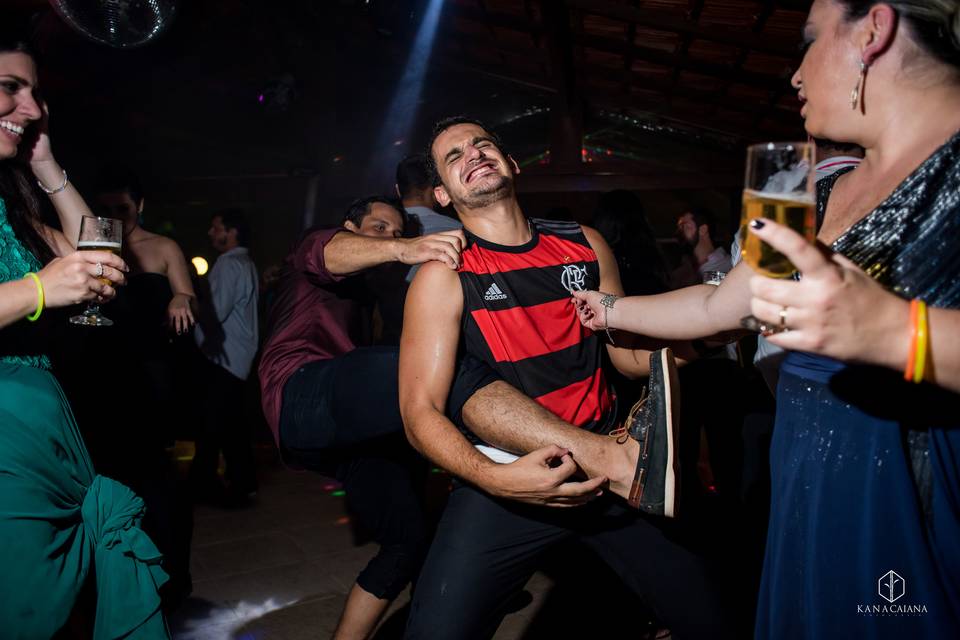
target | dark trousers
[
  {"x": 341, "y": 417},
  {"x": 224, "y": 427},
  {"x": 486, "y": 549}
]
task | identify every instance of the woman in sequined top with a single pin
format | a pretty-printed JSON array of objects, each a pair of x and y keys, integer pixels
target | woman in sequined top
[
  {"x": 865, "y": 467},
  {"x": 58, "y": 518}
]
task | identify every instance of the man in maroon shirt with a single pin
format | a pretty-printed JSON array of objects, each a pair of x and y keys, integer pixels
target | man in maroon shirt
[{"x": 331, "y": 399}]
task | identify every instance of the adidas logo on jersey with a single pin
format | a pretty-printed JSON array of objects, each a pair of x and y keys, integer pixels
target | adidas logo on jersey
[{"x": 494, "y": 293}]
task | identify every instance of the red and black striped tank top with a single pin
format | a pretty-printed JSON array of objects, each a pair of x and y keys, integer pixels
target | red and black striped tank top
[{"x": 518, "y": 318}]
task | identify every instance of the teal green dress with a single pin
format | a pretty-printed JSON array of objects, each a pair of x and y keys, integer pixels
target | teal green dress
[{"x": 59, "y": 519}]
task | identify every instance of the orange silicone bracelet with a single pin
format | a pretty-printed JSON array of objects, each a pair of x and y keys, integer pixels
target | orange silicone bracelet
[{"x": 912, "y": 353}]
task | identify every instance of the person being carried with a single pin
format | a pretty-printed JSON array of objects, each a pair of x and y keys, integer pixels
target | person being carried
[{"x": 507, "y": 309}]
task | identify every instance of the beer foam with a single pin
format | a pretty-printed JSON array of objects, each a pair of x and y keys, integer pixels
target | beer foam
[{"x": 99, "y": 245}]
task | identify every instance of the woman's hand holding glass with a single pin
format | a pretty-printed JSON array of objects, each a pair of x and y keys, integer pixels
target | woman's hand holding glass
[
  {"x": 73, "y": 278},
  {"x": 835, "y": 309}
]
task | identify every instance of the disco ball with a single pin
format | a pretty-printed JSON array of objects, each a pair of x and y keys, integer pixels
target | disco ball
[{"x": 118, "y": 23}]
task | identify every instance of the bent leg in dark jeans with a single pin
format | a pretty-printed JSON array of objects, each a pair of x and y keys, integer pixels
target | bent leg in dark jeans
[{"x": 341, "y": 417}]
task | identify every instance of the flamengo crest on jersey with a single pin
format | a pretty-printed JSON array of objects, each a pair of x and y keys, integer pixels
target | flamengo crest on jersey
[{"x": 518, "y": 318}]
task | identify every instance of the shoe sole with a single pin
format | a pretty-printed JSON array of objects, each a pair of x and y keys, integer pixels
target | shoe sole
[
  {"x": 671, "y": 489},
  {"x": 663, "y": 373}
]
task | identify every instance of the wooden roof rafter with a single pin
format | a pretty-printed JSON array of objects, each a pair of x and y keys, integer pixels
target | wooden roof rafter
[{"x": 699, "y": 56}]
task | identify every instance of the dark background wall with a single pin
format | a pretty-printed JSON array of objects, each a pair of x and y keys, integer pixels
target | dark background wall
[{"x": 278, "y": 107}]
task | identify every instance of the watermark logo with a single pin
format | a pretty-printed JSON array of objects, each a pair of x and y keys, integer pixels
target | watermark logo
[
  {"x": 891, "y": 586},
  {"x": 573, "y": 277}
]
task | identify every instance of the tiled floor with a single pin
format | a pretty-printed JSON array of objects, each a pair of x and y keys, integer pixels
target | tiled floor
[{"x": 281, "y": 568}]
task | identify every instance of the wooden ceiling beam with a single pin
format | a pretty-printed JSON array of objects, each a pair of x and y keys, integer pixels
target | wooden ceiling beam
[
  {"x": 667, "y": 59},
  {"x": 624, "y": 48},
  {"x": 702, "y": 95},
  {"x": 678, "y": 23},
  {"x": 535, "y": 182},
  {"x": 495, "y": 19},
  {"x": 615, "y": 100},
  {"x": 769, "y": 6},
  {"x": 566, "y": 114},
  {"x": 482, "y": 42},
  {"x": 620, "y": 100},
  {"x": 696, "y": 8}
]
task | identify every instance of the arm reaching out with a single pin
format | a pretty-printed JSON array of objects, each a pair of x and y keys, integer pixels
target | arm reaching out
[
  {"x": 348, "y": 253},
  {"x": 685, "y": 314},
  {"x": 180, "y": 310}
]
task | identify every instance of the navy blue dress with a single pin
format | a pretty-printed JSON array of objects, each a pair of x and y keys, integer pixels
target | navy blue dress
[{"x": 864, "y": 537}]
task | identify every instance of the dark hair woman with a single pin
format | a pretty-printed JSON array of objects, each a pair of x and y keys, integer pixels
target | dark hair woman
[{"x": 57, "y": 517}]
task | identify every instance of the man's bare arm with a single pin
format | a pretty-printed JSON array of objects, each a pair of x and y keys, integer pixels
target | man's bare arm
[
  {"x": 428, "y": 349},
  {"x": 348, "y": 253}
]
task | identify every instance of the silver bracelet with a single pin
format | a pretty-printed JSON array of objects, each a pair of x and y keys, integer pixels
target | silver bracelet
[
  {"x": 608, "y": 300},
  {"x": 51, "y": 192}
]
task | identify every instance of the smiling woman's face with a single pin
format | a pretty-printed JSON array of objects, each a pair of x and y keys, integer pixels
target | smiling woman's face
[{"x": 18, "y": 107}]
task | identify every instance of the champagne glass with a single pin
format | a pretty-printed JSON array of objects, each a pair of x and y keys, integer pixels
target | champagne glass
[
  {"x": 778, "y": 186},
  {"x": 98, "y": 234}
]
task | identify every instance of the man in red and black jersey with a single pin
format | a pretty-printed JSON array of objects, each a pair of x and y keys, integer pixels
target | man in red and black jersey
[{"x": 504, "y": 320}]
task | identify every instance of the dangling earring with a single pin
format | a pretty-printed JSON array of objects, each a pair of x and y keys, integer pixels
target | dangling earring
[{"x": 857, "y": 93}]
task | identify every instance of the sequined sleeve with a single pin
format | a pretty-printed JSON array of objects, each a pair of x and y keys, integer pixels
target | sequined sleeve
[{"x": 908, "y": 243}]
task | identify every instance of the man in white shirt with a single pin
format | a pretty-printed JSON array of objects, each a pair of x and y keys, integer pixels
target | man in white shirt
[
  {"x": 227, "y": 336},
  {"x": 695, "y": 233},
  {"x": 415, "y": 189}
]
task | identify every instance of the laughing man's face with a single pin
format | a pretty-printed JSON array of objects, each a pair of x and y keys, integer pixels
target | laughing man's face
[{"x": 473, "y": 171}]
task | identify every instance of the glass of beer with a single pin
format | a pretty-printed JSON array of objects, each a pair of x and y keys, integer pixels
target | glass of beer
[
  {"x": 779, "y": 186},
  {"x": 98, "y": 234}
]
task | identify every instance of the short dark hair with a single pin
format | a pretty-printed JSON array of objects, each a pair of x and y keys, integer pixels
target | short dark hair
[
  {"x": 12, "y": 41},
  {"x": 445, "y": 124},
  {"x": 413, "y": 174},
  {"x": 116, "y": 179},
  {"x": 360, "y": 209},
  {"x": 701, "y": 217},
  {"x": 235, "y": 219}
]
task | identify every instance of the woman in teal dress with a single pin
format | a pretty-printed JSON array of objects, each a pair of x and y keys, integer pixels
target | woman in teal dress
[
  {"x": 61, "y": 525},
  {"x": 865, "y": 465}
]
